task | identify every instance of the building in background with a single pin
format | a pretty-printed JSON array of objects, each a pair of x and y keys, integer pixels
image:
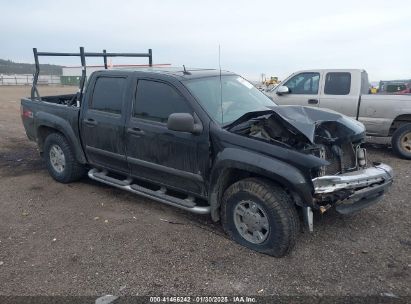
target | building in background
[{"x": 27, "y": 79}]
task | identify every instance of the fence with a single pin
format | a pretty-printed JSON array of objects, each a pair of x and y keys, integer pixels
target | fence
[{"x": 27, "y": 79}]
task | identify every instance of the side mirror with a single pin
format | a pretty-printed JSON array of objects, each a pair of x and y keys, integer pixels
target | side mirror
[
  {"x": 183, "y": 122},
  {"x": 282, "y": 90}
]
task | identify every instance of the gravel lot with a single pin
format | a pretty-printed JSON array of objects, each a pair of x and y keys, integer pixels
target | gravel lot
[{"x": 90, "y": 239}]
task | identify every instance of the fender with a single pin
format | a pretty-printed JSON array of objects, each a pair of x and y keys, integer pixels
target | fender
[
  {"x": 271, "y": 168},
  {"x": 63, "y": 126}
]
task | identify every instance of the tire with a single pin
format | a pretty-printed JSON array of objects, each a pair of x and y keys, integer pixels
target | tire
[
  {"x": 401, "y": 141},
  {"x": 60, "y": 160},
  {"x": 276, "y": 218}
]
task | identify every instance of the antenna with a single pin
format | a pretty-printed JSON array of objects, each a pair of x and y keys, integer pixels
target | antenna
[
  {"x": 221, "y": 84},
  {"x": 185, "y": 71}
]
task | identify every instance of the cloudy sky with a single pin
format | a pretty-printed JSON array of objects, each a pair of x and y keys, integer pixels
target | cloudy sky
[{"x": 271, "y": 37}]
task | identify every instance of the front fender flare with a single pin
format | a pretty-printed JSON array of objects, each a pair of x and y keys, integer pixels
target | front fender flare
[{"x": 276, "y": 170}]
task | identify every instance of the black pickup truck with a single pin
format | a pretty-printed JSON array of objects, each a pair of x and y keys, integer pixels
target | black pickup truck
[{"x": 208, "y": 142}]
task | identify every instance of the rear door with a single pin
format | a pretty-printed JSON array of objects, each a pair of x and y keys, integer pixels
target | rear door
[
  {"x": 338, "y": 93},
  {"x": 102, "y": 123},
  {"x": 156, "y": 153},
  {"x": 303, "y": 90}
]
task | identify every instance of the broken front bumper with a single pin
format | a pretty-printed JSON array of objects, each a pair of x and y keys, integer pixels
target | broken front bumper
[{"x": 364, "y": 187}]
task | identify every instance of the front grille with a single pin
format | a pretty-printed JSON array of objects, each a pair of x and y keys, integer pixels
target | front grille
[
  {"x": 348, "y": 159},
  {"x": 335, "y": 165},
  {"x": 341, "y": 158}
]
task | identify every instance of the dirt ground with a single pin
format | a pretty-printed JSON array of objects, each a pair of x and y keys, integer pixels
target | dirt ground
[{"x": 90, "y": 239}]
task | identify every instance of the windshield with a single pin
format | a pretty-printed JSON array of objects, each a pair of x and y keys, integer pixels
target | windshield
[{"x": 238, "y": 97}]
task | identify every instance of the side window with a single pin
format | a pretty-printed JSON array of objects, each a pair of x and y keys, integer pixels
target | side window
[
  {"x": 157, "y": 100},
  {"x": 304, "y": 83},
  {"x": 338, "y": 83},
  {"x": 108, "y": 94}
]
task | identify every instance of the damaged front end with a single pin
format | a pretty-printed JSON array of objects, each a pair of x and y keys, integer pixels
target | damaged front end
[
  {"x": 354, "y": 190},
  {"x": 346, "y": 181}
]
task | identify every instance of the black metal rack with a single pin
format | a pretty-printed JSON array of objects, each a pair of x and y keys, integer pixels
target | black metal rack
[{"x": 82, "y": 54}]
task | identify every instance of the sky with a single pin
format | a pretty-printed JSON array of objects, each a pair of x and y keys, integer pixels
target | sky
[{"x": 276, "y": 38}]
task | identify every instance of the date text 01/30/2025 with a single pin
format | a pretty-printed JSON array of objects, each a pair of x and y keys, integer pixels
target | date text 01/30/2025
[{"x": 200, "y": 299}]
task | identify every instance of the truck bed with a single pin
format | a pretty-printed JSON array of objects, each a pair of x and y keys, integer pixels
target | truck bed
[
  {"x": 49, "y": 108},
  {"x": 60, "y": 99},
  {"x": 378, "y": 111}
]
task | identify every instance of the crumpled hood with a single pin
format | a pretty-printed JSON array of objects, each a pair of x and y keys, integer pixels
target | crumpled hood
[{"x": 307, "y": 119}]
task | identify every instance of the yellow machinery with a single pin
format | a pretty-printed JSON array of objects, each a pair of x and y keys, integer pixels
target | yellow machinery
[
  {"x": 273, "y": 80},
  {"x": 373, "y": 90}
]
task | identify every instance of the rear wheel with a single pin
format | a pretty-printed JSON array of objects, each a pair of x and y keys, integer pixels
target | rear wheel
[
  {"x": 261, "y": 216},
  {"x": 60, "y": 159},
  {"x": 401, "y": 141}
]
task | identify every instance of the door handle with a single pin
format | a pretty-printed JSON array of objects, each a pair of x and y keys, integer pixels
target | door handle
[
  {"x": 135, "y": 131},
  {"x": 312, "y": 101},
  {"x": 90, "y": 122}
]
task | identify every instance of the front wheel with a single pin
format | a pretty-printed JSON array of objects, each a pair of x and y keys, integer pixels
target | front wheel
[
  {"x": 261, "y": 216},
  {"x": 60, "y": 159},
  {"x": 401, "y": 141}
]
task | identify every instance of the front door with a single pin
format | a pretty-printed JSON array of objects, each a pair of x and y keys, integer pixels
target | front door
[
  {"x": 303, "y": 90},
  {"x": 156, "y": 153},
  {"x": 102, "y": 124}
]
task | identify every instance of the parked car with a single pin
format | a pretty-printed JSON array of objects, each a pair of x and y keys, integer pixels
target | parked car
[
  {"x": 172, "y": 137},
  {"x": 395, "y": 86},
  {"x": 347, "y": 92}
]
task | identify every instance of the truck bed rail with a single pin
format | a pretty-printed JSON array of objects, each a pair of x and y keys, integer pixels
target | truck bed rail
[{"x": 82, "y": 54}]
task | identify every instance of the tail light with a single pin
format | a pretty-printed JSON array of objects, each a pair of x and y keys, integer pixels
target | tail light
[{"x": 25, "y": 113}]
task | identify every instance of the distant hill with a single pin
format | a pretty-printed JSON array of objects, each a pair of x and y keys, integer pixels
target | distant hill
[{"x": 10, "y": 67}]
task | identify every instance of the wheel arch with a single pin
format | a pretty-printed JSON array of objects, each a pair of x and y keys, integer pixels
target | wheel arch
[
  {"x": 244, "y": 164},
  {"x": 398, "y": 122},
  {"x": 48, "y": 123}
]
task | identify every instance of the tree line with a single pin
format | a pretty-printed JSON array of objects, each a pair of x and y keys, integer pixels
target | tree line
[{"x": 10, "y": 67}]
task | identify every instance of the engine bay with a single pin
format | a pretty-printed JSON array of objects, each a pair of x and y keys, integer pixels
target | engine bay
[{"x": 332, "y": 141}]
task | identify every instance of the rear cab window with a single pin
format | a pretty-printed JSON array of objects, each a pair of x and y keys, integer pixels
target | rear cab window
[
  {"x": 337, "y": 83},
  {"x": 156, "y": 100},
  {"x": 108, "y": 94}
]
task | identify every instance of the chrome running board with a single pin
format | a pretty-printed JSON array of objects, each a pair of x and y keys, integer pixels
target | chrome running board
[{"x": 160, "y": 195}]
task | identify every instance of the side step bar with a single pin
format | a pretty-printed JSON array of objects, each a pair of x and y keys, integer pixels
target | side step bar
[{"x": 159, "y": 195}]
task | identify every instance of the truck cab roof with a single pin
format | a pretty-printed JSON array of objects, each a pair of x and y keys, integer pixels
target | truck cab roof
[
  {"x": 330, "y": 70},
  {"x": 176, "y": 72}
]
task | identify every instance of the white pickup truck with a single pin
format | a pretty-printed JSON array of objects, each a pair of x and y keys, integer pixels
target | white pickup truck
[{"x": 347, "y": 91}]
